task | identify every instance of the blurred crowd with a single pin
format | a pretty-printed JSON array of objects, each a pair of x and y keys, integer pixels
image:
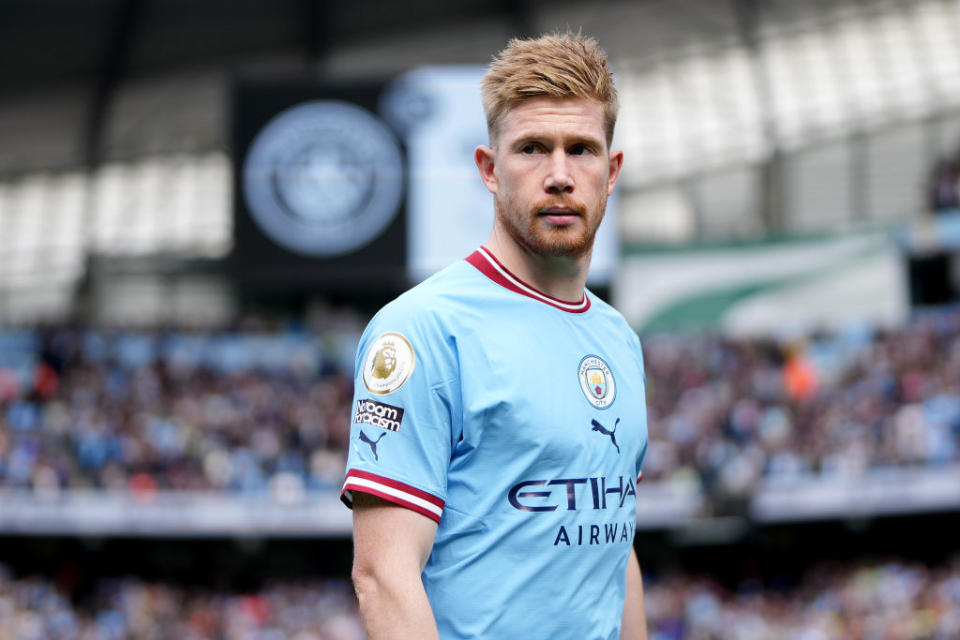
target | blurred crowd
[
  {"x": 143, "y": 411},
  {"x": 250, "y": 410},
  {"x": 731, "y": 413},
  {"x": 888, "y": 601},
  {"x": 130, "y": 608},
  {"x": 894, "y": 600}
]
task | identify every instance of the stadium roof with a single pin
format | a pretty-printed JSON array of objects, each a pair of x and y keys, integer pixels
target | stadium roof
[
  {"x": 80, "y": 82},
  {"x": 114, "y": 114}
]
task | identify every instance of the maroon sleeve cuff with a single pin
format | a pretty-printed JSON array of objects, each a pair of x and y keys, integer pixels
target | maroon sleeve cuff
[{"x": 392, "y": 491}]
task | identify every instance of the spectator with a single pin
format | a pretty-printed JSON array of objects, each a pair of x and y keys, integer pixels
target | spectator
[{"x": 945, "y": 185}]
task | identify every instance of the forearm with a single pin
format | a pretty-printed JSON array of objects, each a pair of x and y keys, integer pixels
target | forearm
[
  {"x": 391, "y": 547},
  {"x": 394, "y": 607},
  {"x": 634, "y": 625}
]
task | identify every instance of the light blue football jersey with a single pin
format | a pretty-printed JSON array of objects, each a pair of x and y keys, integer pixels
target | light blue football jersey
[{"x": 518, "y": 423}]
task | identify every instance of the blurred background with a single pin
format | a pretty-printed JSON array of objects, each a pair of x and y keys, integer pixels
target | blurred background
[{"x": 202, "y": 203}]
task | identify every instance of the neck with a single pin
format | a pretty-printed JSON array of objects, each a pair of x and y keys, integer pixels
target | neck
[{"x": 560, "y": 277}]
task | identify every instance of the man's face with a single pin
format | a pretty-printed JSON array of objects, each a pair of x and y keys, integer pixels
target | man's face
[{"x": 550, "y": 172}]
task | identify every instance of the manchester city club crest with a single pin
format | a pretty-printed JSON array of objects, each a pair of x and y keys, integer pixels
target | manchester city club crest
[{"x": 596, "y": 381}]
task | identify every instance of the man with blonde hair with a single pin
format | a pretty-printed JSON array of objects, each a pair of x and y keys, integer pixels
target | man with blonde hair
[{"x": 500, "y": 500}]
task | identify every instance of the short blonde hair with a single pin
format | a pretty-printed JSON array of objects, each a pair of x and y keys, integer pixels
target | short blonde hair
[{"x": 557, "y": 65}]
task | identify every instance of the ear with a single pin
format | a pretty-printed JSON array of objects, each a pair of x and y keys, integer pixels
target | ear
[
  {"x": 484, "y": 157},
  {"x": 616, "y": 162}
]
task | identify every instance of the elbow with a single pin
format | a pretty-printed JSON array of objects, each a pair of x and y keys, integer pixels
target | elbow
[
  {"x": 379, "y": 584},
  {"x": 365, "y": 584}
]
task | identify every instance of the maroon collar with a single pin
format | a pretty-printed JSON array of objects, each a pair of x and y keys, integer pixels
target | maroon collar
[{"x": 489, "y": 266}]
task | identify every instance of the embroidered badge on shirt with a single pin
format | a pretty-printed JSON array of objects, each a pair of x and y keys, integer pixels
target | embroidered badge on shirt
[{"x": 596, "y": 381}]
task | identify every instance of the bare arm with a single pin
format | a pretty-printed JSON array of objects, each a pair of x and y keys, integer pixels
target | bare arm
[
  {"x": 634, "y": 614},
  {"x": 391, "y": 546}
]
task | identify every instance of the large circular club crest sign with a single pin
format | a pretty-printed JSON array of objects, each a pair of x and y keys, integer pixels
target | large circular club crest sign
[{"x": 323, "y": 178}]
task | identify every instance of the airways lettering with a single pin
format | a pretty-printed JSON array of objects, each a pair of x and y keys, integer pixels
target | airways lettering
[{"x": 592, "y": 534}]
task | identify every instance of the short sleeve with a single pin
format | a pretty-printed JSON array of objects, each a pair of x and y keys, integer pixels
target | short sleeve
[{"x": 404, "y": 411}]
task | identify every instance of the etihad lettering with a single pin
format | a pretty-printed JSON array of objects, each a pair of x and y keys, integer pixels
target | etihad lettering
[
  {"x": 547, "y": 495},
  {"x": 378, "y": 414}
]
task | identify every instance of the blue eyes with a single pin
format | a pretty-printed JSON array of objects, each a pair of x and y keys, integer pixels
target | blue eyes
[{"x": 576, "y": 150}]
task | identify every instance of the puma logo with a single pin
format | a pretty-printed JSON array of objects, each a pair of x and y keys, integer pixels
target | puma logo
[
  {"x": 602, "y": 429},
  {"x": 373, "y": 443}
]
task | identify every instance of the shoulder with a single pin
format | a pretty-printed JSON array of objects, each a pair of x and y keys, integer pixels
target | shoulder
[
  {"x": 614, "y": 322},
  {"x": 436, "y": 298},
  {"x": 427, "y": 318},
  {"x": 610, "y": 316}
]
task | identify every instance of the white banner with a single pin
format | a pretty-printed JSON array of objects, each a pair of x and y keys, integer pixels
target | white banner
[{"x": 784, "y": 286}]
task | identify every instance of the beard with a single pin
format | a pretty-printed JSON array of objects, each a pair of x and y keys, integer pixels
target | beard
[{"x": 530, "y": 231}]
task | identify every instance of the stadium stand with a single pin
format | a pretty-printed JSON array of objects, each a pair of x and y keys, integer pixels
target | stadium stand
[
  {"x": 884, "y": 600},
  {"x": 148, "y": 411},
  {"x": 34, "y": 608},
  {"x": 891, "y": 599},
  {"x": 238, "y": 412},
  {"x": 737, "y": 411}
]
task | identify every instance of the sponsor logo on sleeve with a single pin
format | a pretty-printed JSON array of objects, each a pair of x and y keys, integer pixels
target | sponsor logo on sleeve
[
  {"x": 388, "y": 363},
  {"x": 378, "y": 414}
]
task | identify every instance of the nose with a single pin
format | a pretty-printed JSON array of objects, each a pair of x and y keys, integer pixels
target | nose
[{"x": 558, "y": 178}]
